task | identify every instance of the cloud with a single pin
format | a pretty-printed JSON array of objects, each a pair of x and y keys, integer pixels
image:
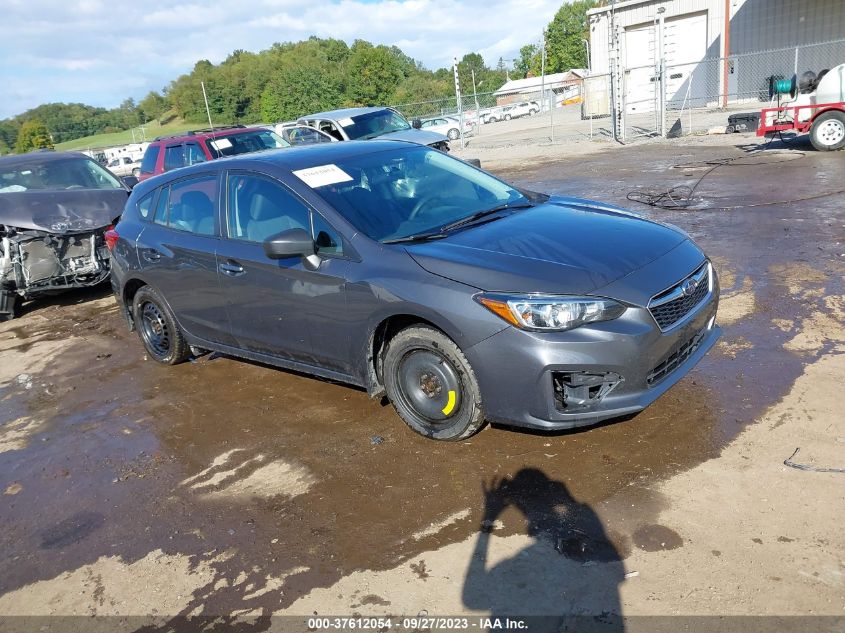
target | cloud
[{"x": 90, "y": 50}]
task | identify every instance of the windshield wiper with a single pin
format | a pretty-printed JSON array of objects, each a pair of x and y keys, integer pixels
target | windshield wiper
[
  {"x": 418, "y": 237},
  {"x": 475, "y": 217}
]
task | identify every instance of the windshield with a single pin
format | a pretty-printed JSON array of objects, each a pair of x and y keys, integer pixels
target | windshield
[
  {"x": 373, "y": 124},
  {"x": 52, "y": 175},
  {"x": 406, "y": 192},
  {"x": 233, "y": 143}
]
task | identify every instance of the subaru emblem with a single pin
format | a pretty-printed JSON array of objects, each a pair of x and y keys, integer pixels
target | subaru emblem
[{"x": 689, "y": 286}]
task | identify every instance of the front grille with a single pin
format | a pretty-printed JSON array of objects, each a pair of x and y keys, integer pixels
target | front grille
[
  {"x": 675, "y": 359},
  {"x": 674, "y": 304}
]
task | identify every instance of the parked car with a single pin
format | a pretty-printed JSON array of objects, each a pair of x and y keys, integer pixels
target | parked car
[
  {"x": 124, "y": 166},
  {"x": 368, "y": 123},
  {"x": 447, "y": 125},
  {"x": 173, "y": 152},
  {"x": 521, "y": 109},
  {"x": 299, "y": 134},
  {"x": 492, "y": 115},
  {"x": 403, "y": 270},
  {"x": 54, "y": 211}
]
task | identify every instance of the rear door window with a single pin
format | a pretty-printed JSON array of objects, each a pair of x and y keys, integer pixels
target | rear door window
[
  {"x": 194, "y": 154},
  {"x": 148, "y": 165},
  {"x": 174, "y": 157},
  {"x": 189, "y": 205}
]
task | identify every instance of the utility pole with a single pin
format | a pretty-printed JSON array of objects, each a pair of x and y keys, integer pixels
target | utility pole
[
  {"x": 475, "y": 97},
  {"x": 458, "y": 99},
  {"x": 543, "y": 71},
  {"x": 207, "y": 111}
]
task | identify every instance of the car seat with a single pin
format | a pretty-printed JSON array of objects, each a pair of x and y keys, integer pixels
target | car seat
[
  {"x": 196, "y": 213},
  {"x": 267, "y": 215}
]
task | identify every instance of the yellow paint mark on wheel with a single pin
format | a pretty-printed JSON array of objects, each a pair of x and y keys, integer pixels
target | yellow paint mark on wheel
[{"x": 450, "y": 405}]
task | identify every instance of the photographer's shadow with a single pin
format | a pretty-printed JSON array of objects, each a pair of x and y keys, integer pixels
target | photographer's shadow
[{"x": 566, "y": 580}]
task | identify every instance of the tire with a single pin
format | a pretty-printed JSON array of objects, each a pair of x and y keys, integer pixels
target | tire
[
  {"x": 423, "y": 368},
  {"x": 828, "y": 131},
  {"x": 136, "y": 172},
  {"x": 157, "y": 328},
  {"x": 453, "y": 134},
  {"x": 10, "y": 302},
  {"x": 507, "y": 117}
]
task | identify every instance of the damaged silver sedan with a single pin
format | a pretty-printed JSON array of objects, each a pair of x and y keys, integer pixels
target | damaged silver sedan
[{"x": 55, "y": 209}]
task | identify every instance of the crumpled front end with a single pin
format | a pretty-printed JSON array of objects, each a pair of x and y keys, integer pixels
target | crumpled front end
[{"x": 33, "y": 262}]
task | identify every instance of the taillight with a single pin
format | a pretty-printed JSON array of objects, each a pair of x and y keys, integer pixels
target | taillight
[{"x": 111, "y": 237}]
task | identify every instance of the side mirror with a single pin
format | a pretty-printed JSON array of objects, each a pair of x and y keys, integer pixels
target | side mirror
[
  {"x": 290, "y": 243},
  {"x": 129, "y": 181},
  {"x": 416, "y": 124}
]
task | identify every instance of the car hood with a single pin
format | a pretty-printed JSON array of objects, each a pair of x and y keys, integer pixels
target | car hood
[
  {"x": 61, "y": 212},
  {"x": 563, "y": 246},
  {"x": 422, "y": 137}
]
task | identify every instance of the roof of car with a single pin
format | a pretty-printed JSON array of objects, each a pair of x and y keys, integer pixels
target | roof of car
[
  {"x": 197, "y": 134},
  {"x": 38, "y": 157},
  {"x": 289, "y": 159},
  {"x": 341, "y": 114}
]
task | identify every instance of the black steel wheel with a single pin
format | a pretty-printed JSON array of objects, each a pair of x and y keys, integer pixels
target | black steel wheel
[
  {"x": 158, "y": 329},
  {"x": 431, "y": 384}
]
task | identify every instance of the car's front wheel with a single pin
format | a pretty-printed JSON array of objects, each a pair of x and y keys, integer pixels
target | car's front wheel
[
  {"x": 432, "y": 385},
  {"x": 158, "y": 329}
]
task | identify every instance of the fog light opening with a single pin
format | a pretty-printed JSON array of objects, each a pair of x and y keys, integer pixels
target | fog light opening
[{"x": 582, "y": 390}]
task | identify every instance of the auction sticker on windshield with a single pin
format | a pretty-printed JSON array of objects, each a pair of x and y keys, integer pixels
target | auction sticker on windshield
[
  {"x": 346, "y": 122},
  {"x": 221, "y": 144},
  {"x": 323, "y": 175}
]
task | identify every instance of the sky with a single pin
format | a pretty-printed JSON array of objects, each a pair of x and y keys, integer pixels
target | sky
[{"x": 101, "y": 52}]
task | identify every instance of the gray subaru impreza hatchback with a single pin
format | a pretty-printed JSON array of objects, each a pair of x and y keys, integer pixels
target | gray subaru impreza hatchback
[{"x": 410, "y": 273}]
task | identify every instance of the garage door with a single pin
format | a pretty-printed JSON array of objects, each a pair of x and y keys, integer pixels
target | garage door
[
  {"x": 640, "y": 84},
  {"x": 685, "y": 45}
]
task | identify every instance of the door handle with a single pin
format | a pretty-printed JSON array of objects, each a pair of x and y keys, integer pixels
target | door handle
[
  {"x": 151, "y": 255},
  {"x": 231, "y": 268}
]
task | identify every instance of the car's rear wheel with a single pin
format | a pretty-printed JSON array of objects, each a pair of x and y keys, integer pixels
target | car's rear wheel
[
  {"x": 453, "y": 134},
  {"x": 507, "y": 117},
  {"x": 432, "y": 385},
  {"x": 158, "y": 329},
  {"x": 828, "y": 131}
]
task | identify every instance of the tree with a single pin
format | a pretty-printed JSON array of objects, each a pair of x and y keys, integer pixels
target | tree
[
  {"x": 373, "y": 74},
  {"x": 152, "y": 106},
  {"x": 565, "y": 37},
  {"x": 297, "y": 91},
  {"x": 527, "y": 54},
  {"x": 33, "y": 135}
]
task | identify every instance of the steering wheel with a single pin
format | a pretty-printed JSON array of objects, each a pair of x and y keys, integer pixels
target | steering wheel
[{"x": 422, "y": 202}]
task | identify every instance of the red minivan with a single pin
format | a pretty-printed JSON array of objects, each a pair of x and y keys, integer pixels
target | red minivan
[{"x": 171, "y": 152}]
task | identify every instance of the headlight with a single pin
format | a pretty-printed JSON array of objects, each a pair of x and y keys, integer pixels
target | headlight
[{"x": 543, "y": 313}]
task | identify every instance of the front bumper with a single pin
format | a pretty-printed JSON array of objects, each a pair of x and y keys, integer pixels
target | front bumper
[{"x": 518, "y": 371}]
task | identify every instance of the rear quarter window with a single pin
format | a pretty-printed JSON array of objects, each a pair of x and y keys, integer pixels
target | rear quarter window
[
  {"x": 145, "y": 205},
  {"x": 148, "y": 165}
]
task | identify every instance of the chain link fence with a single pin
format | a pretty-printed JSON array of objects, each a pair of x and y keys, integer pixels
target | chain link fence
[{"x": 643, "y": 101}]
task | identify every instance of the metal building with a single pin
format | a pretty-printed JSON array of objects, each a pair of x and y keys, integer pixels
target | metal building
[{"x": 713, "y": 50}]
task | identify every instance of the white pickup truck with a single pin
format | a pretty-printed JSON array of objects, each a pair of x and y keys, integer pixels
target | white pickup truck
[{"x": 124, "y": 166}]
